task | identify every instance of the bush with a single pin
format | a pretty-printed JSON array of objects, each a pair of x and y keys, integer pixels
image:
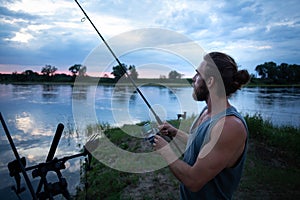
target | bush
[{"x": 286, "y": 138}]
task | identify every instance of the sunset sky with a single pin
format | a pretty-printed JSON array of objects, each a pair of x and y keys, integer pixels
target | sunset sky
[{"x": 34, "y": 33}]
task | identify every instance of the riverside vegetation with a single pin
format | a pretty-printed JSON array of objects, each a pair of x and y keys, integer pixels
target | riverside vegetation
[
  {"x": 271, "y": 170},
  {"x": 270, "y": 74}
]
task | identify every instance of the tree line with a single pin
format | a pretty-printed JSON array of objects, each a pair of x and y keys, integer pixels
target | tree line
[
  {"x": 284, "y": 73},
  {"x": 49, "y": 73},
  {"x": 269, "y": 73}
]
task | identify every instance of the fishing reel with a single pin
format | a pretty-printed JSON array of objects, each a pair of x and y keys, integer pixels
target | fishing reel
[{"x": 149, "y": 132}]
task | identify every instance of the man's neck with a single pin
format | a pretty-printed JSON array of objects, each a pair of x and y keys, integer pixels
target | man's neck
[{"x": 216, "y": 105}]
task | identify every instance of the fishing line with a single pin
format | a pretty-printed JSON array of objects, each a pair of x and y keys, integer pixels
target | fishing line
[
  {"x": 122, "y": 67},
  {"x": 158, "y": 120}
]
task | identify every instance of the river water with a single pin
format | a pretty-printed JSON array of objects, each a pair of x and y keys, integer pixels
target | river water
[{"x": 32, "y": 113}]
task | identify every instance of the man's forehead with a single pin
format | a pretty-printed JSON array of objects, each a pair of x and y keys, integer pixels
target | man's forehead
[
  {"x": 202, "y": 66},
  {"x": 203, "y": 63}
]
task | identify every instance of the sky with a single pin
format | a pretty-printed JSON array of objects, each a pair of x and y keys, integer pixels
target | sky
[{"x": 148, "y": 34}]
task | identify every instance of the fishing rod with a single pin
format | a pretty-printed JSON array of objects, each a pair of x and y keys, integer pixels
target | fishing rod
[{"x": 120, "y": 64}]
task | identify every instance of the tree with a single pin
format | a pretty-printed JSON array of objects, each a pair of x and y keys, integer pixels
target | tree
[
  {"x": 48, "y": 70},
  {"x": 82, "y": 71},
  {"x": 272, "y": 70},
  {"x": 119, "y": 71},
  {"x": 29, "y": 75},
  {"x": 261, "y": 70},
  {"x": 78, "y": 69},
  {"x": 295, "y": 73},
  {"x": 29, "y": 72},
  {"x": 174, "y": 75},
  {"x": 283, "y": 73},
  {"x": 133, "y": 73},
  {"x": 105, "y": 75},
  {"x": 267, "y": 70}
]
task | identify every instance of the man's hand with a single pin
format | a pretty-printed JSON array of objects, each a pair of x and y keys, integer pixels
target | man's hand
[
  {"x": 164, "y": 149},
  {"x": 159, "y": 142},
  {"x": 167, "y": 129}
]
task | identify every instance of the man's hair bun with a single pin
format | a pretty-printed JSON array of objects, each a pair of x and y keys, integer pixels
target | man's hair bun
[
  {"x": 233, "y": 78},
  {"x": 241, "y": 78}
]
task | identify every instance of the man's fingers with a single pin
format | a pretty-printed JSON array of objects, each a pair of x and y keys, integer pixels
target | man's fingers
[{"x": 163, "y": 125}]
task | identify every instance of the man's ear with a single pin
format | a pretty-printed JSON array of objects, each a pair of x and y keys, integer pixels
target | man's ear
[{"x": 210, "y": 81}]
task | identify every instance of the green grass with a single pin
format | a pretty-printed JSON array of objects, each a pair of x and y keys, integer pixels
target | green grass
[
  {"x": 271, "y": 170},
  {"x": 278, "y": 178},
  {"x": 106, "y": 183},
  {"x": 265, "y": 179},
  {"x": 285, "y": 138}
]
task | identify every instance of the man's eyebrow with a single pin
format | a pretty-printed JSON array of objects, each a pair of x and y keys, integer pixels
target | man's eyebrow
[{"x": 197, "y": 71}]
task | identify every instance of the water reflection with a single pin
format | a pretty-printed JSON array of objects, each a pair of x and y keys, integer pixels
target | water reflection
[
  {"x": 132, "y": 99},
  {"x": 161, "y": 100},
  {"x": 276, "y": 97},
  {"x": 26, "y": 123},
  {"x": 122, "y": 93},
  {"x": 80, "y": 92},
  {"x": 172, "y": 95},
  {"x": 24, "y": 91},
  {"x": 50, "y": 92},
  {"x": 278, "y": 105}
]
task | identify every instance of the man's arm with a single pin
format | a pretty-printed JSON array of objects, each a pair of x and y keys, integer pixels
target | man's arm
[{"x": 223, "y": 150}]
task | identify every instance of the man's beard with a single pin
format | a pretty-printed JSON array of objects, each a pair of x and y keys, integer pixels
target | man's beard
[{"x": 201, "y": 93}]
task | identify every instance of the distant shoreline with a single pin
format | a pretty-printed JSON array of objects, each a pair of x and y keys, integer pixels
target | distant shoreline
[{"x": 149, "y": 82}]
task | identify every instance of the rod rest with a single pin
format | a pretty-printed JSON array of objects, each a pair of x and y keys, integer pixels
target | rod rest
[
  {"x": 43, "y": 168},
  {"x": 14, "y": 169}
]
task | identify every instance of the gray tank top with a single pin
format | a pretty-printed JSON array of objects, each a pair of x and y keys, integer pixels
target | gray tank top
[{"x": 226, "y": 182}]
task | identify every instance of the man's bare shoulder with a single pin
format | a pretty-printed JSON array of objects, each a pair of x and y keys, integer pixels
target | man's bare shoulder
[
  {"x": 231, "y": 129},
  {"x": 234, "y": 124}
]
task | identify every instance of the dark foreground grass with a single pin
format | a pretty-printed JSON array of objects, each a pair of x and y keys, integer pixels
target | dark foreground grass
[
  {"x": 284, "y": 138},
  {"x": 271, "y": 170}
]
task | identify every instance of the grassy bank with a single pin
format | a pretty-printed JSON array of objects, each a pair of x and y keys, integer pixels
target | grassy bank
[
  {"x": 60, "y": 79},
  {"x": 297, "y": 85},
  {"x": 271, "y": 171}
]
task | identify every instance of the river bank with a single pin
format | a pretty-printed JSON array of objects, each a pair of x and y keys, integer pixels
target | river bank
[
  {"x": 63, "y": 79},
  {"x": 148, "y": 82},
  {"x": 271, "y": 170}
]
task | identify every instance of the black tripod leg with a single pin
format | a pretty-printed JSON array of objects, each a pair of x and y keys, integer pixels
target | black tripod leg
[
  {"x": 14, "y": 149},
  {"x": 53, "y": 147}
]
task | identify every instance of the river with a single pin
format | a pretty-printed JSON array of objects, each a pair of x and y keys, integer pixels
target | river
[{"x": 32, "y": 113}]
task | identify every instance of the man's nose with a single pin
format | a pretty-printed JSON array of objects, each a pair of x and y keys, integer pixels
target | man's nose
[{"x": 194, "y": 78}]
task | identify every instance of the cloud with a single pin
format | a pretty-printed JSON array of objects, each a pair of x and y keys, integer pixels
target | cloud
[
  {"x": 40, "y": 32},
  {"x": 40, "y": 7},
  {"x": 11, "y": 14},
  {"x": 34, "y": 33}
]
